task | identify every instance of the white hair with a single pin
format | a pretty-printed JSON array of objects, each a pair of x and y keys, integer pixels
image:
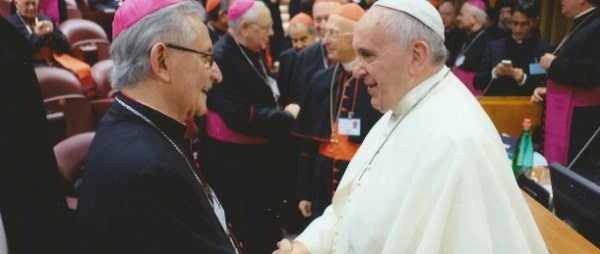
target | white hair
[
  {"x": 406, "y": 29},
  {"x": 130, "y": 50},
  {"x": 479, "y": 14}
]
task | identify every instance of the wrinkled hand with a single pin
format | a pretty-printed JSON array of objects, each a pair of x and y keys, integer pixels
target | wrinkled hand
[
  {"x": 538, "y": 94},
  {"x": 286, "y": 247},
  {"x": 44, "y": 28},
  {"x": 293, "y": 108},
  {"x": 546, "y": 60},
  {"x": 283, "y": 247},
  {"x": 305, "y": 208}
]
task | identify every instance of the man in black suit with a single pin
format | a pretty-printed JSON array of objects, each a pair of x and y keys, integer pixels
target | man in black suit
[
  {"x": 33, "y": 208},
  {"x": 573, "y": 90},
  {"x": 141, "y": 192},
  {"x": 454, "y": 36},
  {"x": 523, "y": 48}
]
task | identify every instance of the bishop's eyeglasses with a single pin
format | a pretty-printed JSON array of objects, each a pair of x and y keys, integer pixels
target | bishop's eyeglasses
[
  {"x": 209, "y": 56},
  {"x": 334, "y": 34}
]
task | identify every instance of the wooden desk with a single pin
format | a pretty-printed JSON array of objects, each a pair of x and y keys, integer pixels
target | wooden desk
[
  {"x": 559, "y": 237},
  {"x": 507, "y": 112}
]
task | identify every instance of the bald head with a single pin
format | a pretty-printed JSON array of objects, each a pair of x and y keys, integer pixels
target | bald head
[{"x": 321, "y": 11}]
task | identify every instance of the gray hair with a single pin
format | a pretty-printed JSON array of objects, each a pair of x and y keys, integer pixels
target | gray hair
[
  {"x": 250, "y": 15},
  {"x": 479, "y": 14},
  {"x": 406, "y": 29},
  {"x": 130, "y": 50}
]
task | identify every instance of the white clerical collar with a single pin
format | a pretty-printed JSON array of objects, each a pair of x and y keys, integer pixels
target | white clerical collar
[
  {"x": 415, "y": 94},
  {"x": 348, "y": 66},
  {"x": 584, "y": 12}
]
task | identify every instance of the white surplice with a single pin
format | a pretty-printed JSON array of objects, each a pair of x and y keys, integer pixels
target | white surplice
[{"x": 441, "y": 183}]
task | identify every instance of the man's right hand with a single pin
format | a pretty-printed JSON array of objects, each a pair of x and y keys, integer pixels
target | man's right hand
[{"x": 305, "y": 207}]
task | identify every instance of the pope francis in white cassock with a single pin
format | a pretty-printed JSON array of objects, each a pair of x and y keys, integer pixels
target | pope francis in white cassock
[{"x": 432, "y": 176}]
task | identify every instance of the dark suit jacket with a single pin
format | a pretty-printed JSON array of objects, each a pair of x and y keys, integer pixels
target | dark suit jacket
[
  {"x": 473, "y": 49},
  {"x": 521, "y": 55},
  {"x": 454, "y": 40},
  {"x": 57, "y": 41},
  {"x": 287, "y": 60},
  {"x": 214, "y": 34},
  {"x": 32, "y": 198},
  {"x": 308, "y": 61}
]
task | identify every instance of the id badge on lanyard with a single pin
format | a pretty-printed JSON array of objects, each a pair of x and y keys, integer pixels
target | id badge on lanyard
[
  {"x": 218, "y": 209},
  {"x": 349, "y": 126},
  {"x": 536, "y": 69}
]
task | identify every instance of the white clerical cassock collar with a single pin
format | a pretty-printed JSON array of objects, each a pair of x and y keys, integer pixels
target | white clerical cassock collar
[
  {"x": 414, "y": 95},
  {"x": 348, "y": 66}
]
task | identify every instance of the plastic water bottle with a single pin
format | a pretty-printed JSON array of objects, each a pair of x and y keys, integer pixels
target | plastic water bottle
[{"x": 522, "y": 161}]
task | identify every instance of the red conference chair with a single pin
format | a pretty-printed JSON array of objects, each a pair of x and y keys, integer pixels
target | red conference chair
[
  {"x": 5, "y": 8},
  {"x": 88, "y": 40},
  {"x": 79, "y": 116},
  {"x": 71, "y": 154},
  {"x": 72, "y": 11},
  {"x": 101, "y": 75},
  {"x": 55, "y": 81}
]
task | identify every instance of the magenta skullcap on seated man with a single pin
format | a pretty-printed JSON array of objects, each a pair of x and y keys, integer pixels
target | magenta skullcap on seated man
[
  {"x": 131, "y": 12},
  {"x": 238, "y": 8},
  {"x": 425, "y": 13}
]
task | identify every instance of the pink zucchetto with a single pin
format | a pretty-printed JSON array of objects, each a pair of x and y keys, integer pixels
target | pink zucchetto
[
  {"x": 478, "y": 3},
  {"x": 131, "y": 11},
  {"x": 238, "y": 8}
]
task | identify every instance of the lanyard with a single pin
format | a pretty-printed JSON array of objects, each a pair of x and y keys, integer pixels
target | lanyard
[
  {"x": 264, "y": 78},
  {"x": 333, "y": 118},
  {"x": 464, "y": 50}
]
